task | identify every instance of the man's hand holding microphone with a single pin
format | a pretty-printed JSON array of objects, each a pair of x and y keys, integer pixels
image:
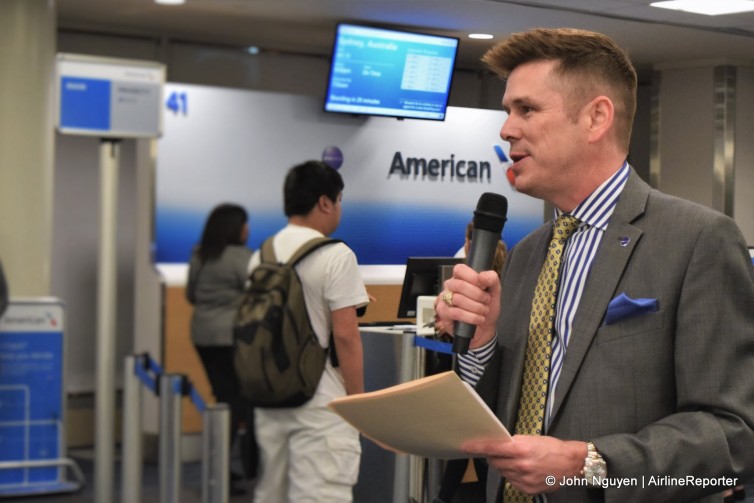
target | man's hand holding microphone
[{"x": 471, "y": 298}]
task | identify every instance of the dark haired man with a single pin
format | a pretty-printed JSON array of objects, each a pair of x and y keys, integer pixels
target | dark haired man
[
  {"x": 308, "y": 453},
  {"x": 620, "y": 350}
]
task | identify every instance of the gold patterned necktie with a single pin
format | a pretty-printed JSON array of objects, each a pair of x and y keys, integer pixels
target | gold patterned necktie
[{"x": 533, "y": 399}]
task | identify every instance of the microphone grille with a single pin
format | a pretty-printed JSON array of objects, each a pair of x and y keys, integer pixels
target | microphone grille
[{"x": 491, "y": 212}]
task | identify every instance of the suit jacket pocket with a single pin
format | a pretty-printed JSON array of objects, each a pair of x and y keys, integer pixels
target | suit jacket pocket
[{"x": 632, "y": 326}]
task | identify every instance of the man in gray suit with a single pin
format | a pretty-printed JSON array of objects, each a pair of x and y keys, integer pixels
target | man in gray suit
[{"x": 649, "y": 395}]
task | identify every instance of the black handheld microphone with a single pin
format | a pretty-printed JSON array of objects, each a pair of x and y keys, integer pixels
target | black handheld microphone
[{"x": 489, "y": 218}]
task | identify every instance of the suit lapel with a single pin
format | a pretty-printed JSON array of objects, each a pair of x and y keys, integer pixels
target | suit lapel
[{"x": 615, "y": 250}]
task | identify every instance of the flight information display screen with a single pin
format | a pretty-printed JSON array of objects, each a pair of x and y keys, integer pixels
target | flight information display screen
[{"x": 377, "y": 71}]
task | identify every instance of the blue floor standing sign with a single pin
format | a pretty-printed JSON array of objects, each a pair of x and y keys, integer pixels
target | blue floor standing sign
[{"x": 32, "y": 404}]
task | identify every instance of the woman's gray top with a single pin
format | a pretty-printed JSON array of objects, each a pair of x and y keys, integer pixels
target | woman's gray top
[{"x": 216, "y": 289}]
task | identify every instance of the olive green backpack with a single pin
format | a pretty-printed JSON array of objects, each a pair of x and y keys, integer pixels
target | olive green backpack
[{"x": 277, "y": 356}]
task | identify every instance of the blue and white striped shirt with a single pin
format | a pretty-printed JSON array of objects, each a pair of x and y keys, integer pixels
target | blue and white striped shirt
[{"x": 594, "y": 213}]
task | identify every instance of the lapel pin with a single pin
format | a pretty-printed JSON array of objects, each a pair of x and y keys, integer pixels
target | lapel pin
[{"x": 625, "y": 240}]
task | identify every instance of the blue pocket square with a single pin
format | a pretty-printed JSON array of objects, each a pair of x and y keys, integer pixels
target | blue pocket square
[{"x": 623, "y": 306}]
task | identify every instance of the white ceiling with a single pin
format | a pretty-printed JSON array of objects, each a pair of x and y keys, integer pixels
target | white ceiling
[{"x": 652, "y": 36}]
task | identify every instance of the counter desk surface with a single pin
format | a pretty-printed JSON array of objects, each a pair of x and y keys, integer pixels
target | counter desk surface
[{"x": 388, "y": 329}]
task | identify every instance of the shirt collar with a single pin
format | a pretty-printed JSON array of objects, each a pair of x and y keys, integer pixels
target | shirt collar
[{"x": 598, "y": 207}]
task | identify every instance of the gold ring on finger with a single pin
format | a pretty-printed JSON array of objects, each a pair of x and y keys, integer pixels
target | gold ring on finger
[{"x": 447, "y": 297}]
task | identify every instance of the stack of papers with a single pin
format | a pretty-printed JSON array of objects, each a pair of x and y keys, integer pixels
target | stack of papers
[{"x": 430, "y": 417}]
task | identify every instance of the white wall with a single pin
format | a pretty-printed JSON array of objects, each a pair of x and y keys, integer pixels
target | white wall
[
  {"x": 743, "y": 194},
  {"x": 696, "y": 115},
  {"x": 76, "y": 247},
  {"x": 687, "y": 133}
]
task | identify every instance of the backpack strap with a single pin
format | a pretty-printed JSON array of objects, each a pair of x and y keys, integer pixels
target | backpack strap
[
  {"x": 310, "y": 246},
  {"x": 301, "y": 254},
  {"x": 267, "y": 252}
]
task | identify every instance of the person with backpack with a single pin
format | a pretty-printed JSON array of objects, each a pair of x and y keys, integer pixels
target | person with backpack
[
  {"x": 307, "y": 452},
  {"x": 216, "y": 281}
]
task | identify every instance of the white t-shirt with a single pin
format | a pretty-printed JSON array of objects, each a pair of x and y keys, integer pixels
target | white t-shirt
[{"x": 331, "y": 280}]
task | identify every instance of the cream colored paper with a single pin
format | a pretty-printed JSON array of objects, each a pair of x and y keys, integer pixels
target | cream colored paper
[{"x": 430, "y": 417}]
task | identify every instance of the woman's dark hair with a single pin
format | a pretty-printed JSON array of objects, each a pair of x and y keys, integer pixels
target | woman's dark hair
[
  {"x": 223, "y": 227},
  {"x": 306, "y": 183}
]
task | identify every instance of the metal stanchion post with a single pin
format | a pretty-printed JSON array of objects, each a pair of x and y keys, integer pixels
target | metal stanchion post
[
  {"x": 107, "y": 279},
  {"x": 401, "y": 482},
  {"x": 170, "y": 437},
  {"x": 416, "y": 487},
  {"x": 215, "y": 454},
  {"x": 131, "y": 464}
]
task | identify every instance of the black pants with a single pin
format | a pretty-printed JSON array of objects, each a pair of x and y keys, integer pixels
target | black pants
[
  {"x": 218, "y": 364},
  {"x": 453, "y": 476}
]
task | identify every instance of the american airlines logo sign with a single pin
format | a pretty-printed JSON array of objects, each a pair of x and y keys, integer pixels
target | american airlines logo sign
[
  {"x": 448, "y": 168},
  {"x": 32, "y": 317}
]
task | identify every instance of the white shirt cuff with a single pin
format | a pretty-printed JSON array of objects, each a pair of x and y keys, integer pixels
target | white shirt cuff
[{"x": 472, "y": 364}]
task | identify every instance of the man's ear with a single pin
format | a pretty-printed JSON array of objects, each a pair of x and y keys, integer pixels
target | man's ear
[
  {"x": 601, "y": 113},
  {"x": 324, "y": 204}
]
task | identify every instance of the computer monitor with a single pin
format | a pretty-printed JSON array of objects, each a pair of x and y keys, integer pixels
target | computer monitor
[
  {"x": 423, "y": 277},
  {"x": 751, "y": 253}
]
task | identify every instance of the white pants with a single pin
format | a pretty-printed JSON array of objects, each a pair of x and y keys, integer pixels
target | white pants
[{"x": 308, "y": 454}]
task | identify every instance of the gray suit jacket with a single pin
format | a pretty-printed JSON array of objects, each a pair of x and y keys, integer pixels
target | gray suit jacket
[{"x": 668, "y": 393}]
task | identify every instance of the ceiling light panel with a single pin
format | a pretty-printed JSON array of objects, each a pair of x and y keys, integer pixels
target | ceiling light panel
[{"x": 707, "y": 7}]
